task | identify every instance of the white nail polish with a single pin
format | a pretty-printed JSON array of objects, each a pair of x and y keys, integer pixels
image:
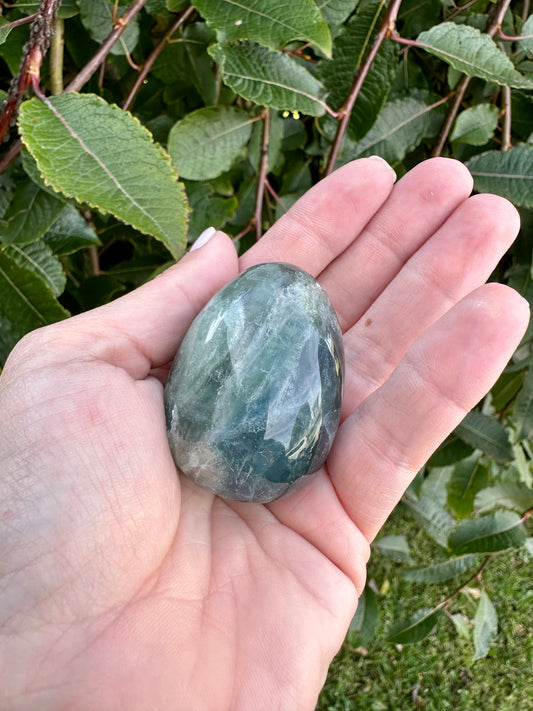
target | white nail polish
[
  {"x": 204, "y": 238},
  {"x": 382, "y": 160}
]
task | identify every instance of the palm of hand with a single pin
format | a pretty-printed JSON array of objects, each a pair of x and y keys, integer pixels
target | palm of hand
[{"x": 137, "y": 589}]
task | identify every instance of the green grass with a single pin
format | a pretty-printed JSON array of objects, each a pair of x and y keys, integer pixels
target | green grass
[{"x": 438, "y": 674}]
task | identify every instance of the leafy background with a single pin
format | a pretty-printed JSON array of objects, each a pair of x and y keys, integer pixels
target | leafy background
[{"x": 224, "y": 114}]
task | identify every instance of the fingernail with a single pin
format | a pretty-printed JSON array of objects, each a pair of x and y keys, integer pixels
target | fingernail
[
  {"x": 204, "y": 238},
  {"x": 382, "y": 160}
]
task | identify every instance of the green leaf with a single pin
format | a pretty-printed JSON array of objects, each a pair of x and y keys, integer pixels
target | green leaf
[
  {"x": 401, "y": 126},
  {"x": 433, "y": 518},
  {"x": 415, "y": 628},
  {"x": 507, "y": 495},
  {"x": 68, "y": 8},
  {"x": 440, "y": 572},
  {"x": 476, "y": 125},
  {"x": 30, "y": 215},
  {"x": 485, "y": 626},
  {"x": 366, "y": 616},
  {"x": 97, "y": 18},
  {"x": 205, "y": 143},
  {"x": 26, "y": 303},
  {"x": 70, "y": 232},
  {"x": 468, "y": 477},
  {"x": 269, "y": 78},
  {"x": 485, "y": 433},
  {"x": 275, "y": 143},
  {"x": 451, "y": 451},
  {"x": 5, "y": 29},
  {"x": 176, "y": 5},
  {"x": 208, "y": 208},
  {"x": 127, "y": 175},
  {"x": 351, "y": 48},
  {"x": 488, "y": 534},
  {"x": 418, "y": 15},
  {"x": 39, "y": 259},
  {"x": 506, "y": 173},
  {"x": 527, "y": 32},
  {"x": 470, "y": 51},
  {"x": 505, "y": 389},
  {"x": 394, "y": 547},
  {"x": 269, "y": 22},
  {"x": 335, "y": 12},
  {"x": 523, "y": 409}
]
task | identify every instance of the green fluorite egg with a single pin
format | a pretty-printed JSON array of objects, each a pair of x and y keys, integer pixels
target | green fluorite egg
[{"x": 254, "y": 394}]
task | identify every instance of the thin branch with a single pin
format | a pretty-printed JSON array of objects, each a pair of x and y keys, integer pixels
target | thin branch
[
  {"x": 451, "y": 115},
  {"x": 525, "y": 10},
  {"x": 32, "y": 56},
  {"x": 20, "y": 21},
  {"x": 475, "y": 576},
  {"x": 263, "y": 170},
  {"x": 460, "y": 9},
  {"x": 507, "y": 119},
  {"x": 512, "y": 38},
  {"x": 57, "y": 50},
  {"x": 387, "y": 27},
  {"x": 100, "y": 56},
  {"x": 147, "y": 66},
  {"x": 494, "y": 26}
]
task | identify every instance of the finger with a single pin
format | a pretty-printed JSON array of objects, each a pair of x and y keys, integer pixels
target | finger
[
  {"x": 418, "y": 205},
  {"x": 382, "y": 445},
  {"x": 142, "y": 330},
  {"x": 456, "y": 260},
  {"x": 327, "y": 218}
]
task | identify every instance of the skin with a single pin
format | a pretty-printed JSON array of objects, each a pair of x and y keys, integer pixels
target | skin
[{"x": 123, "y": 585}]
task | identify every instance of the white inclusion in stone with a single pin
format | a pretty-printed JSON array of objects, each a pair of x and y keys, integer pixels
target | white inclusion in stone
[
  {"x": 213, "y": 327},
  {"x": 281, "y": 418}
]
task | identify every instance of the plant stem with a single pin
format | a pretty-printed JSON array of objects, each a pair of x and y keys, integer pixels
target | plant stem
[
  {"x": 451, "y": 115},
  {"x": 100, "y": 56},
  {"x": 507, "y": 119},
  {"x": 56, "y": 57},
  {"x": 147, "y": 66},
  {"x": 492, "y": 29},
  {"x": 387, "y": 27},
  {"x": 30, "y": 65},
  {"x": 263, "y": 170},
  {"x": 525, "y": 10},
  {"x": 475, "y": 576}
]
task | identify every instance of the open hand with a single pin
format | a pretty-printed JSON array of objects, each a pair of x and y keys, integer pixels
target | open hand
[{"x": 125, "y": 586}]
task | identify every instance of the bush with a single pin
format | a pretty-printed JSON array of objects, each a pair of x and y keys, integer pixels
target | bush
[{"x": 151, "y": 120}]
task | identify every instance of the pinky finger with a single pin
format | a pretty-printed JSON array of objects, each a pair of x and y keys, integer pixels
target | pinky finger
[{"x": 390, "y": 436}]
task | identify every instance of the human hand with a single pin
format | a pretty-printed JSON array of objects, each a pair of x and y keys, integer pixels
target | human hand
[{"x": 125, "y": 586}]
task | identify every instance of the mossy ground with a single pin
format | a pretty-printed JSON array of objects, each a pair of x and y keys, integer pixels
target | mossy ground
[{"x": 439, "y": 673}]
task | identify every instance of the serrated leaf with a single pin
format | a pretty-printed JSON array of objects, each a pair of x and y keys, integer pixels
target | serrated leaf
[
  {"x": 394, "y": 547},
  {"x": 506, "y": 173},
  {"x": 366, "y": 616},
  {"x": 30, "y": 214},
  {"x": 335, "y": 12},
  {"x": 98, "y": 19},
  {"x": 351, "y": 48},
  {"x": 440, "y": 572},
  {"x": 527, "y": 32},
  {"x": 470, "y": 51},
  {"x": 469, "y": 476},
  {"x": 205, "y": 143},
  {"x": 129, "y": 176},
  {"x": 70, "y": 232},
  {"x": 434, "y": 519},
  {"x": 485, "y": 433},
  {"x": 523, "y": 409},
  {"x": 476, "y": 125},
  {"x": 507, "y": 495},
  {"x": 400, "y": 127},
  {"x": 39, "y": 259},
  {"x": 268, "y": 22},
  {"x": 26, "y": 303},
  {"x": 269, "y": 78},
  {"x": 415, "y": 628},
  {"x": 461, "y": 624},
  {"x": 485, "y": 626},
  {"x": 488, "y": 534}
]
